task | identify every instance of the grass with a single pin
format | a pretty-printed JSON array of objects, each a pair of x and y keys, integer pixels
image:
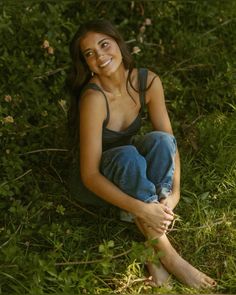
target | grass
[
  {"x": 75, "y": 252},
  {"x": 51, "y": 244}
]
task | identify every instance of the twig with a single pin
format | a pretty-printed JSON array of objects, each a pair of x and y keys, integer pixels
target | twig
[
  {"x": 50, "y": 73},
  {"x": 8, "y": 265},
  {"x": 220, "y": 25},
  {"x": 57, "y": 173},
  {"x": 130, "y": 41},
  {"x": 17, "y": 178},
  {"x": 130, "y": 282},
  {"x": 91, "y": 261},
  {"x": 4, "y": 244},
  {"x": 45, "y": 150},
  {"x": 82, "y": 208},
  {"x": 199, "y": 227},
  {"x": 152, "y": 44},
  {"x": 190, "y": 67},
  {"x": 194, "y": 121}
]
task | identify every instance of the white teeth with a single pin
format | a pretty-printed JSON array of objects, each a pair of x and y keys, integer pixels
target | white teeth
[{"x": 105, "y": 63}]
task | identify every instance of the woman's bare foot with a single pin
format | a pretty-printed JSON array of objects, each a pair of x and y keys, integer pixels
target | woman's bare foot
[
  {"x": 186, "y": 273},
  {"x": 175, "y": 264},
  {"x": 159, "y": 275}
]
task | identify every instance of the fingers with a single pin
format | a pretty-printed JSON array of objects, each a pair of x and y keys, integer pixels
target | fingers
[
  {"x": 168, "y": 210},
  {"x": 168, "y": 218},
  {"x": 164, "y": 226},
  {"x": 160, "y": 218},
  {"x": 161, "y": 228},
  {"x": 151, "y": 231}
]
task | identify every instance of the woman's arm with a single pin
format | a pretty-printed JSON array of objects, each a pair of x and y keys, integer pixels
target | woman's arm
[
  {"x": 92, "y": 115},
  {"x": 173, "y": 199},
  {"x": 160, "y": 121}
]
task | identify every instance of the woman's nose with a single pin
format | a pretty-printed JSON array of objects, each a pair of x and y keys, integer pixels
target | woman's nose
[{"x": 100, "y": 55}]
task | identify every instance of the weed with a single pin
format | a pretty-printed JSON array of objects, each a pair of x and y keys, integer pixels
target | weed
[{"x": 52, "y": 244}]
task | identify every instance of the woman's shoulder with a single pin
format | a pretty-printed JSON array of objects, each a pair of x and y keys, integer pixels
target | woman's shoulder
[
  {"x": 92, "y": 108},
  {"x": 153, "y": 85},
  {"x": 151, "y": 75},
  {"x": 92, "y": 96}
]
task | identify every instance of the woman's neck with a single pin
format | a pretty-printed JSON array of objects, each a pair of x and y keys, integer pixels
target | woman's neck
[{"x": 115, "y": 83}]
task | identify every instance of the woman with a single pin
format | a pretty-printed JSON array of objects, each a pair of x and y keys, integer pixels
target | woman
[{"x": 140, "y": 176}]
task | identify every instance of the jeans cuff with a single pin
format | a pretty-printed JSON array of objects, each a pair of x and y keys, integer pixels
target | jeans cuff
[
  {"x": 126, "y": 216},
  {"x": 164, "y": 191},
  {"x": 151, "y": 199}
]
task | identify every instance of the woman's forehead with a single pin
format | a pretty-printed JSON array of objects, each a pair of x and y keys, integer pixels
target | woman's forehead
[{"x": 92, "y": 38}]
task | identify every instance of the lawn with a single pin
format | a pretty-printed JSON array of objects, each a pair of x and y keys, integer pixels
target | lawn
[{"x": 50, "y": 243}]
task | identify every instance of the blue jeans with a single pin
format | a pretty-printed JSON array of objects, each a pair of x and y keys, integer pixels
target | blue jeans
[{"x": 143, "y": 170}]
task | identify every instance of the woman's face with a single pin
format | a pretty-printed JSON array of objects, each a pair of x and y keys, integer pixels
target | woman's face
[{"x": 101, "y": 53}]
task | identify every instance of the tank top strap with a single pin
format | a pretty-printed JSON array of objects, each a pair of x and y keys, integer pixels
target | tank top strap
[
  {"x": 142, "y": 76},
  {"x": 97, "y": 88}
]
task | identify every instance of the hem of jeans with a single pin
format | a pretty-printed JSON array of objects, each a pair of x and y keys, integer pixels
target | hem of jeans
[
  {"x": 151, "y": 199},
  {"x": 167, "y": 191},
  {"x": 127, "y": 216}
]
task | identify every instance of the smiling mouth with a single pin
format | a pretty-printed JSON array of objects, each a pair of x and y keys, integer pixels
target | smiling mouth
[{"x": 105, "y": 63}]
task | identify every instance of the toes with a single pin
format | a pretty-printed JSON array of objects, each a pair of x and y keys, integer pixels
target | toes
[{"x": 208, "y": 282}]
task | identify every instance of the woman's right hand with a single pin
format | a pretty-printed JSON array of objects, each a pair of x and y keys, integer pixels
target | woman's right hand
[{"x": 157, "y": 216}]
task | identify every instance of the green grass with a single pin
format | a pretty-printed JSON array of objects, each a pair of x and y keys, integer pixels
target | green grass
[
  {"x": 49, "y": 244},
  {"x": 75, "y": 252}
]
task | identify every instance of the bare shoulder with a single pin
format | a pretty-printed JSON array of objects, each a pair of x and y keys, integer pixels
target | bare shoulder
[
  {"x": 91, "y": 96},
  {"x": 153, "y": 78},
  {"x": 135, "y": 77},
  {"x": 92, "y": 99},
  {"x": 92, "y": 108},
  {"x": 154, "y": 86}
]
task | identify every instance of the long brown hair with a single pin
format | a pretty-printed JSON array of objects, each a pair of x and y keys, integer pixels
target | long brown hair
[{"x": 80, "y": 73}]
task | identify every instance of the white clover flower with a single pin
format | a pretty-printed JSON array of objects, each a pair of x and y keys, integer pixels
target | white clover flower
[
  {"x": 136, "y": 50},
  {"x": 148, "y": 22},
  {"x": 44, "y": 113},
  {"x": 8, "y": 119},
  {"x": 142, "y": 29},
  {"x": 45, "y": 44},
  {"x": 50, "y": 50},
  {"x": 62, "y": 104},
  {"x": 8, "y": 98}
]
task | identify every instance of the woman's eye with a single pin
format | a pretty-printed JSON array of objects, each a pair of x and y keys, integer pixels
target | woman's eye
[
  {"x": 105, "y": 44},
  {"x": 88, "y": 54}
]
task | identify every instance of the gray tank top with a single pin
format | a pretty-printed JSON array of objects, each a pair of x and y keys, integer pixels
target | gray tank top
[{"x": 111, "y": 138}]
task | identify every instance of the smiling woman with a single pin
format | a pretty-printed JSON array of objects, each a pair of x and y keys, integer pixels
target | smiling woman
[
  {"x": 101, "y": 53},
  {"x": 141, "y": 176}
]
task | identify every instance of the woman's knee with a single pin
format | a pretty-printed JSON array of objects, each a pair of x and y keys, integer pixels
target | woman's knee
[
  {"x": 161, "y": 138},
  {"x": 126, "y": 154},
  {"x": 121, "y": 156}
]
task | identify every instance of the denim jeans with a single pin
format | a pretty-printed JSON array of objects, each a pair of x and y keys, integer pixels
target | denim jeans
[{"x": 144, "y": 169}]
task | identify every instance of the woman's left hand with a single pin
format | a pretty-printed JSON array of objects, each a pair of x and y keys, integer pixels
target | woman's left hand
[{"x": 171, "y": 201}]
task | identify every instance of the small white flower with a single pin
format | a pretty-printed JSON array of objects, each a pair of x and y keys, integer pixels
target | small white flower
[
  {"x": 8, "y": 98},
  {"x": 142, "y": 29},
  {"x": 45, "y": 44},
  {"x": 62, "y": 104},
  {"x": 136, "y": 50},
  {"x": 44, "y": 113},
  {"x": 8, "y": 119},
  {"x": 50, "y": 50},
  {"x": 147, "y": 22}
]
